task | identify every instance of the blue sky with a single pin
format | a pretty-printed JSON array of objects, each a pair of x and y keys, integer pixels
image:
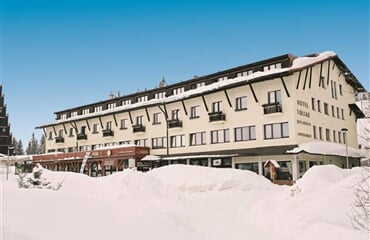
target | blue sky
[{"x": 61, "y": 54}]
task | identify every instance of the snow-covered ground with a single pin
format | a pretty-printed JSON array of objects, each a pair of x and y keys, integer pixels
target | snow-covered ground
[{"x": 182, "y": 202}]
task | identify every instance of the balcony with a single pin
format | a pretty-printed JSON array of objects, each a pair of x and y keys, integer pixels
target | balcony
[
  {"x": 272, "y": 108},
  {"x": 59, "y": 139},
  {"x": 217, "y": 116},
  {"x": 175, "y": 123},
  {"x": 81, "y": 136},
  {"x": 108, "y": 133},
  {"x": 138, "y": 128}
]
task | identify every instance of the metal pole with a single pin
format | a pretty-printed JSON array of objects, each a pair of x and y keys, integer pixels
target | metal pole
[
  {"x": 345, "y": 131},
  {"x": 347, "y": 151}
]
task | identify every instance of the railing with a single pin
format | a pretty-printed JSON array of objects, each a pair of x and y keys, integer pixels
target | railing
[
  {"x": 217, "y": 116},
  {"x": 81, "y": 136},
  {"x": 174, "y": 123},
  {"x": 59, "y": 139},
  {"x": 108, "y": 133},
  {"x": 138, "y": 128},
  {"x": 272, "y": 108}
]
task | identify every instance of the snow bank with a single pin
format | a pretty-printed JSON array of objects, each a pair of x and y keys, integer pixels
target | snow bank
[
  {"x": 183, "y": 203},
  {"x": 202, "y": 179}
]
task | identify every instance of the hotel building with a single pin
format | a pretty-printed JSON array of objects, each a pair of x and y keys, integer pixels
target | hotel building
[{"x": 295, "y": 111}]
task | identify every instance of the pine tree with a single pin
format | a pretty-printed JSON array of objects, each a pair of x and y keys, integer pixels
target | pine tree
[
  {"x": 19, "y": 148},
  {"x": 32, "y": 145},
  {"x": 41, "y": 147}
]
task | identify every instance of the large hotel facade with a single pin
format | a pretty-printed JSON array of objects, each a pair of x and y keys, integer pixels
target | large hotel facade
[{"x": 287, "y": 111}]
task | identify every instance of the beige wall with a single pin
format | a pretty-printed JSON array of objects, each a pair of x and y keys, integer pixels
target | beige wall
[{"x": 252, "y": 116}]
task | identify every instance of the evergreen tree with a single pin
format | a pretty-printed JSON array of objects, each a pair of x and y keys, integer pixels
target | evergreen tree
[
  {"x": 41, "y": 148},
  {"x": 33, "y": 145},
  {"x": 19, "y": 148}
]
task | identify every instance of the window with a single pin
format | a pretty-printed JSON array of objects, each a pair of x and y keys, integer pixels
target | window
[
  {"x": 160, "y": 95},
  {"x": 74, "y": 114},
  {"x": 83, "y": 129},
  {"x": 338, "y": 115},
  {"x": 159, "y": 142},
  {"x": 245, "y": 133},
  {"x": 222, "y": 78},
  {"x": 339, "y": 136},
  {"x": 327, "y": 133},
  {"x": 111, "y": 106},
  {"x": 322, "y": 82},
  {"x": 318, "y": 105},
  {"x": 313, "y": 103},
  {"x": 126, "y": 102},
  {"x": 332, "y": 111},
  {"x": 125, "y": 142},
  {"x": 98, "y": 108},
  {"x": 139, "y": 120},
  {"x": 320, "y": 133},
  {"x": 195, "y": 112},
  {"x": 342, "y": 110},
  {"x": 175, "y": 114},
  {"x": 198, "y": 138},
  {"x": 70, "y": 132},
  {"x": 220, "y": 136},
  {"x": 241, "y": 103},
  {"x": 276, "y": 130},
  {"x": 63, "y": 116},
  {"x": 142, "y": 99},
  {"x": 85, "y": 111},
  {"x": 108, "y": 125},
  {"x": 340, "y": 90},
  {"x": 178, "y": 90},
  {"x": 335, "y": 90},
  {"x": 124, "y": 123},
  {"x": 61, "y": 133},
  {"x": 50, "y": 135},
  {"x": 217, "y": 107},
  {"x": 334, "y": 136},
  {"x": 156, "y": 118},
  {"x": 314, "y": 132},
  {"x": 274, "y": 97},
  {"x": 326, "y": 108},
  {"x": 95, "y": 128},
  {"x": 200, "y": 84},
  {"x": 140, "y": 142},
  {"x": 177, "y": 141}
]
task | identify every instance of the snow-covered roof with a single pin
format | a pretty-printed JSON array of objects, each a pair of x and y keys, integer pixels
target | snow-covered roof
[
  {"x": 326, "y": 148},
  {"x": 298, "y": 63},
  {"x": 273, "y": 162}
]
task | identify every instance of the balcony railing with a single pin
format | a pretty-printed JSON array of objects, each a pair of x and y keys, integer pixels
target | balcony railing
[
  {"x": 176, "y": 123},
  {"x": 217, "y": 116},
  {"x": 138, "y": 128},
  {"x": 81, "y": 136},
  {"x": 108, "y": 133},
  {"x": 59, "y": 139},
  {"x": 272, "y": 108}
]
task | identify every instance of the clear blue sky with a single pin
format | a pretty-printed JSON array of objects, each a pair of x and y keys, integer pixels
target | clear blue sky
[{"x": 61, "y": 54}]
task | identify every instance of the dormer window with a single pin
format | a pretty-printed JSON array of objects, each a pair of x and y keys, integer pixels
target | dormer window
[
  {"x": 142, "y": 99},
  {"x": 85, "y": 111},
  {"x": 200, "y": 84},
  {"x": 222, "y": 78},
  {"x": 126, "y": 102},
  {"x": 63, "y": 116},
  {"x": 74, "y": 114},
  {"x": 98, "y": 109},
  {"x": 111, "y": 106},
  {"x": 178, "y": 90},
  {"x": 160, "y": 95}
]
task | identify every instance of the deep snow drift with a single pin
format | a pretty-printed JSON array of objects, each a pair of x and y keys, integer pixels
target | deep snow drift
[{"x": 182, "y": 202}]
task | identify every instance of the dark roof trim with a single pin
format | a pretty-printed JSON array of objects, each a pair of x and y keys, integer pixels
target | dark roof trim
[{"x": 358, "y": 112}]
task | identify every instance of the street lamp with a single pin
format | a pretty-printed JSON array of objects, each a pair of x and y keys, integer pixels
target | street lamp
[
  {"x": 7, "y": 163},
  {"x": 345, "y": 130}
]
